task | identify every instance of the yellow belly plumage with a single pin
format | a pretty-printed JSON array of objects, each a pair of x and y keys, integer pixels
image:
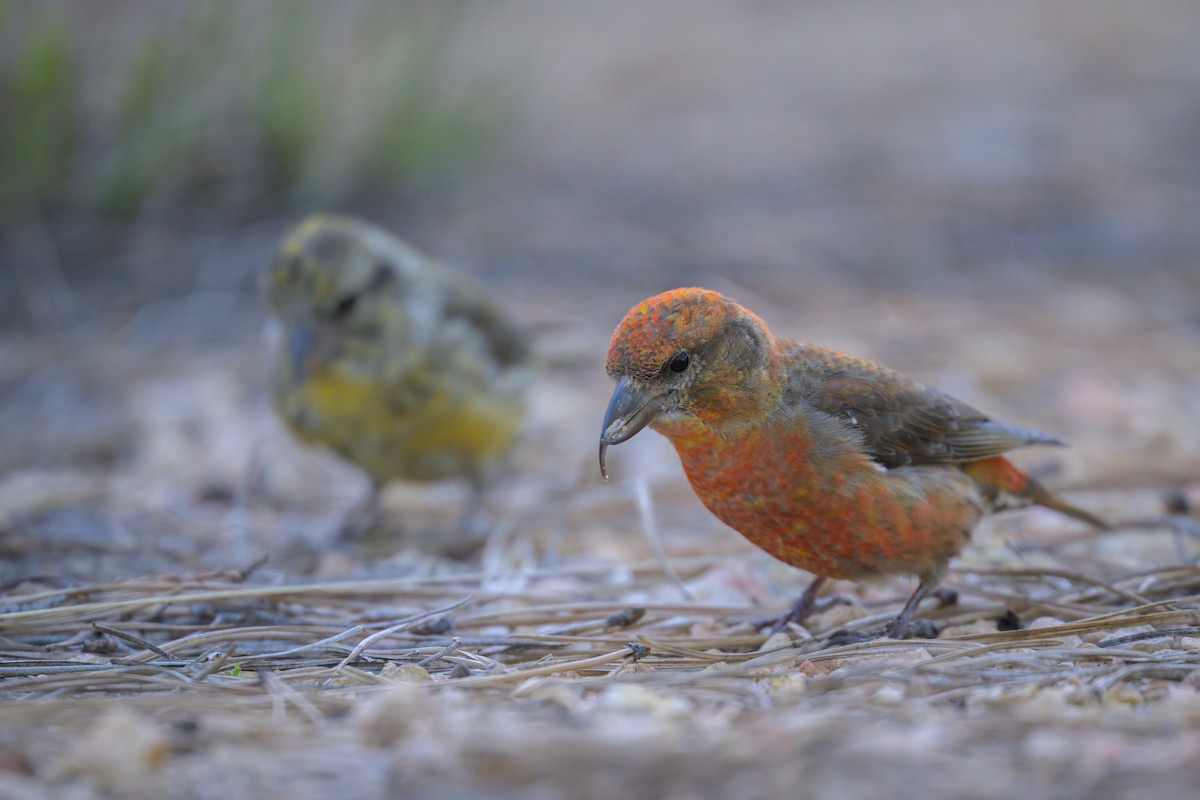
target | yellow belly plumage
[{"x": 443, "y": 434}]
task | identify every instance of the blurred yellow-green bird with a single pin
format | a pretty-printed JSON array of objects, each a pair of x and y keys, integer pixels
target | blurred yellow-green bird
[{"x": 392, "y": 360}]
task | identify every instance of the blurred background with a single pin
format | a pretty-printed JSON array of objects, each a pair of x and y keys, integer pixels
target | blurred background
[{"x": 1003, "y": 200}]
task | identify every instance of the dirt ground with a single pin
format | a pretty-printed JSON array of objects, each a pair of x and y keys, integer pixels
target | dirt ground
[{"x": 1001, "y": 201}]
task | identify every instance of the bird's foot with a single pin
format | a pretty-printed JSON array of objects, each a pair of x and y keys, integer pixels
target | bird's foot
[
  {"x": 843, "y": 637},
  {"x": 458, "y": 546},
  {"x": 910, "y": 629},
  {"x": 920, "y": 628},
  {"x": 466, "y": 543},
  {"x": 361, "y": 525}
]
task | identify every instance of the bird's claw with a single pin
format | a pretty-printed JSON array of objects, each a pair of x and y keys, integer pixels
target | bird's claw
[{"x": 843, "y": 636}]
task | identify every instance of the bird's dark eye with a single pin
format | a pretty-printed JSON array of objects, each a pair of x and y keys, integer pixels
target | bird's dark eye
[
  {"x": 345, "y": 306},
  {"x": 680, "y": 362}
]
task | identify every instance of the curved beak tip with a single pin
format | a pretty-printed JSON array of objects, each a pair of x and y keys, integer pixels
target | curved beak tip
[{"x": 630, "y": 409}]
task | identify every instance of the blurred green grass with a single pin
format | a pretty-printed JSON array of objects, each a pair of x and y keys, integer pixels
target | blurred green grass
[
  {"x": 38, "y": 102},
  {"x": 247, "y": 108}
]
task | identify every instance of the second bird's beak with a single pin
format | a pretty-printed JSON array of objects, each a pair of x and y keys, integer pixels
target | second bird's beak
[
  {"x": 630, "y": 409},
  {"x": 300, "y": 341}
]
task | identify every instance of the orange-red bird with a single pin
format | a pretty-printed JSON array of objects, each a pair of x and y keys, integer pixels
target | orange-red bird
[{"x": 826, "y": 461}]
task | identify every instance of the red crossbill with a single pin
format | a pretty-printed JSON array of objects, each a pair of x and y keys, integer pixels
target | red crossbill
[
  {"x": 392, "y": 360},
  {"x": 826, "y": 461}
]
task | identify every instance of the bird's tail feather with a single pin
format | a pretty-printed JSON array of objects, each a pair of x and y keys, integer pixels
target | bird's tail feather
[{"x": 1005, "y": 486}]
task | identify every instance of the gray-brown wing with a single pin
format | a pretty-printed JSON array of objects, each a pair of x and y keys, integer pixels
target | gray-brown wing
[
  {"x": 904, "y": 422},
  {"x": 508, "y": 344}
]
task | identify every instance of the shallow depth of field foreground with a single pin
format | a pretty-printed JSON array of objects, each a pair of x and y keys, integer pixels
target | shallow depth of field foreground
[{"x": 1002, "y": 206}]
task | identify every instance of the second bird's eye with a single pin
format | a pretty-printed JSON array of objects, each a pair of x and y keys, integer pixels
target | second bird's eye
[
  {"x": 680, "y": 362},
  {"x": 345, "y": 306}
]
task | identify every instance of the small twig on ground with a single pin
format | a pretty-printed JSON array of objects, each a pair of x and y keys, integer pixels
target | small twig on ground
[
  {"x": 399, "y": 626},
  {"x": 132, "y": 639}
]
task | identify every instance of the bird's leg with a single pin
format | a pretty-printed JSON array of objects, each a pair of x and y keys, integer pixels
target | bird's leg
[
  {"x": 802, "y": 607},
  {"x": 473, "y": 527},
  {"x": 475, "y": 520},
  {"x": 899, "y": 627},
  {"x": 363, "y": 518}
]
